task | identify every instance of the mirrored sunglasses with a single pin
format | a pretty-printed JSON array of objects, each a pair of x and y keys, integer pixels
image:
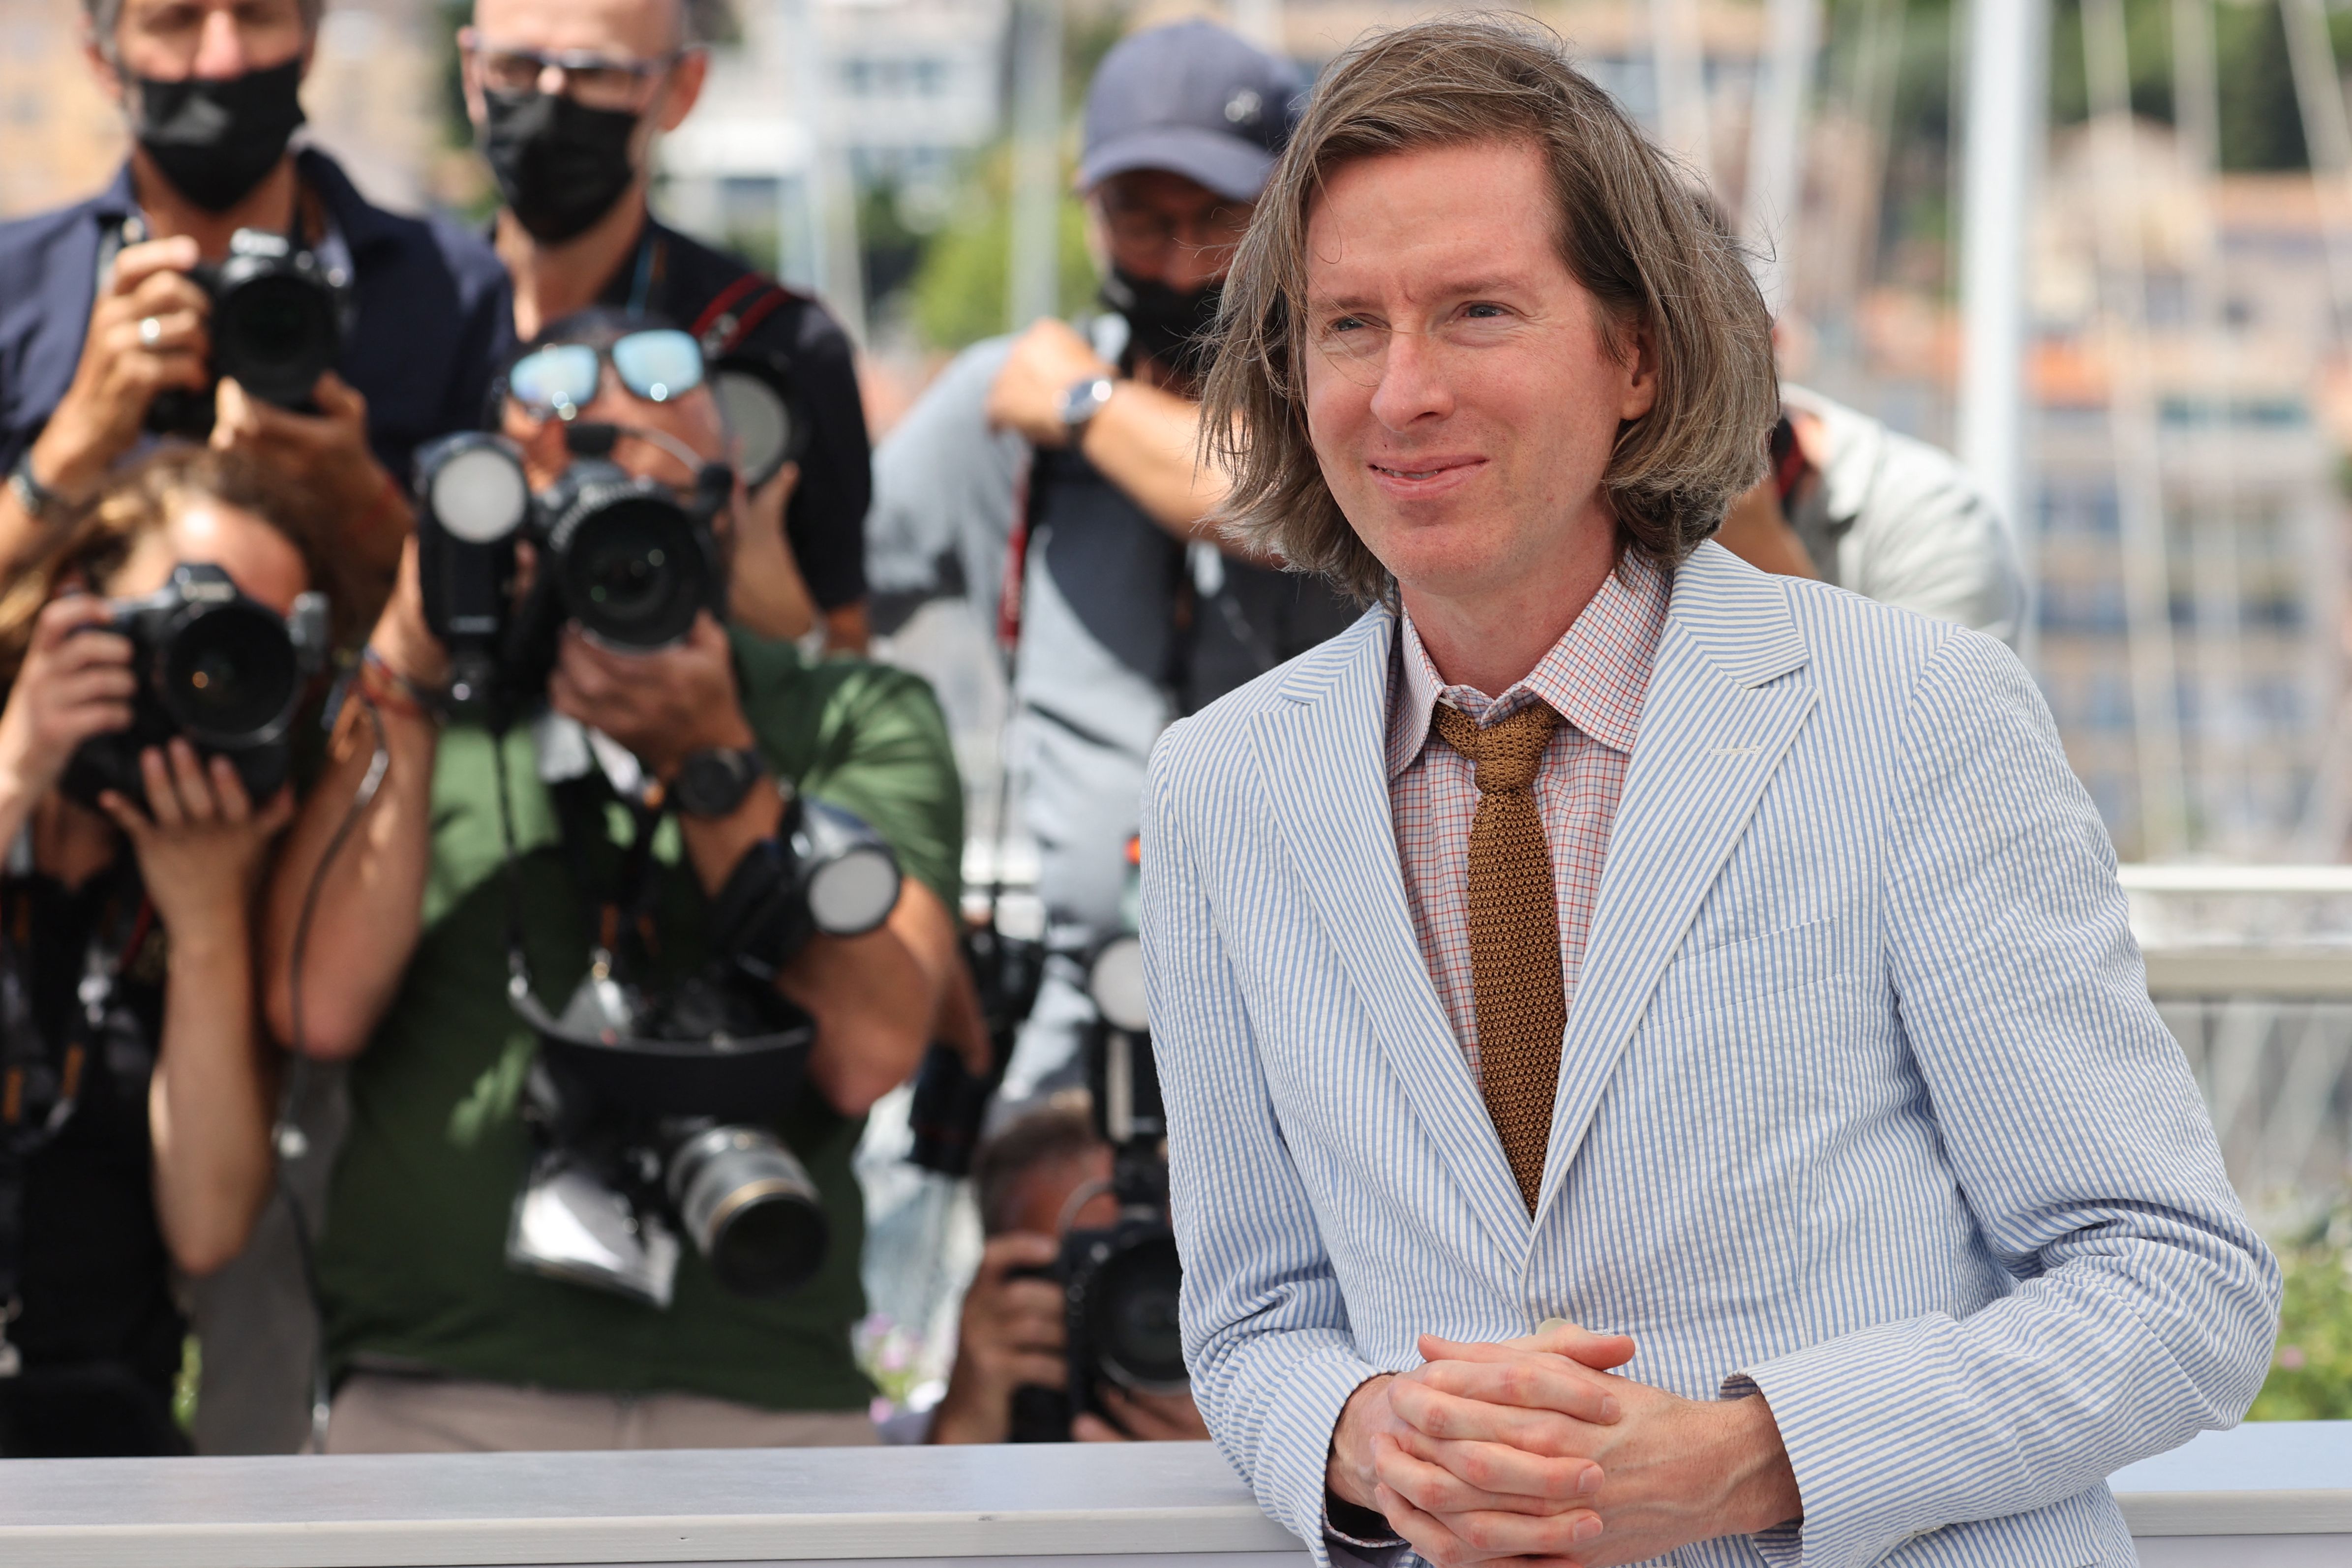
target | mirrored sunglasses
[{"x": 657, "y": 365}]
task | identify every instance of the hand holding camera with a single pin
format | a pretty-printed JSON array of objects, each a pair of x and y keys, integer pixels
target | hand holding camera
[
  {"x": 201, "y": 842},
  {"x": 77, "y": 683},
  {"x": 1011, "y": 1337},
  {"x": 149, "y": 333},
  {"x": 664, "y": 704},
  {"x": 325, "y": 452}
]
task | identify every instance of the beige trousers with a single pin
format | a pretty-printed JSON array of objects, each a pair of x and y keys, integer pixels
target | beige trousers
[{"x": 375, "y": 1413}]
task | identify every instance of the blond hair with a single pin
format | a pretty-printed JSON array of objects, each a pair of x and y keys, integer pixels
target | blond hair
[
  {"x": 147, "y": 496},
  {"x": 1632, "y": 232}
]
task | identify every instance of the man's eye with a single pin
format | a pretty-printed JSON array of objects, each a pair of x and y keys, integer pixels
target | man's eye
[
  {"x": 1345, "y": 324},
  {"x": 1483, "y": 311}
]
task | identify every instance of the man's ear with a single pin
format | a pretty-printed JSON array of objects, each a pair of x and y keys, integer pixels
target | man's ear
[
  {"x": 101, "y": 66},
  {"x": 684, "y": 87},
  {"x": 1640, "y": 362}
]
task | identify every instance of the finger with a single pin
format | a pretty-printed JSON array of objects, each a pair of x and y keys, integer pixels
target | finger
[
  {"x": 153, "y": 373},
  {"x": 1529, "y": 1381},
  {"x": 277, "y": 812},
  {"x": 338, "y": 398},
  {"x": 1020, "y": 1249},
  {"x": 176, "y": 331},
  {"x": 1485, "y": 1533},
  {"x": 162, "y": 803},
  {"x": 196, "y": 799},
  {"x": 68, "y": 614},
  {"x": 126, "y": 817},
  {"x": 1500, "y": 1469},
  {"x": 1583, "y": 1346},
  {"x": 1436, "y": 1489},
  {"x": 1037, "y": 1370},
  {"x": 134, "y": 265},
  {"x": 1142, "y": 1417},
  {"x": 1431, "y": 1541},
  {"x": 80, "y": 685},
  {"x": 1437, "y": 1413},
  {"x": 1086, "y": 1427},
  {"x": 228, "y": 790}
]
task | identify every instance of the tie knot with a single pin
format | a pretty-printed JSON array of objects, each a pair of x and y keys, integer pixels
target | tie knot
[{"x": 1504, "y": 754}]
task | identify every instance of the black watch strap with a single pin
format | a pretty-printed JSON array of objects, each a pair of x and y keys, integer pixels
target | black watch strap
[{"x": 713, "y": 782}]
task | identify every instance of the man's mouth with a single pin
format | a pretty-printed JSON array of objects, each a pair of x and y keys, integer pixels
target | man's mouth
[{"x": 1423, "y": 470}]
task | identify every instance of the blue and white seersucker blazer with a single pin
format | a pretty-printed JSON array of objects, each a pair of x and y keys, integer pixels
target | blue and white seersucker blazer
[{"x": 1861, "y": 1099}]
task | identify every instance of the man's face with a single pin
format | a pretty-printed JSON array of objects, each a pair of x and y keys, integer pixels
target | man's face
[
  {"x": 644, "y": 34},
  {"x": 172, "y": 40},
  {"x": 1165, "y": 228},
  {"x": 692, "y": 421},
  {"x": 1044, "y": 1192},
  {"x": 1462, "y": 400}
]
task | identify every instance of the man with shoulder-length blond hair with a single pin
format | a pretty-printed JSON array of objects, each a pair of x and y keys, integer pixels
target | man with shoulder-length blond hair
[{"x": 1604, "y": 931}]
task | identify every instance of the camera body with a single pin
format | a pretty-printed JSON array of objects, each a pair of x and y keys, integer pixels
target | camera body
[
  {"x": 620, "y": 557},
  {"x": 280, "y": 320},
  {"x": 1120, "y": 1282},
  {"x": 222, "y": 669}
]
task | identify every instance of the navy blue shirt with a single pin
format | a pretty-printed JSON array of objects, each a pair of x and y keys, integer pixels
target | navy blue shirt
[
  {"x": 432, "y": 322},
  {"x": 713, "y": 294}
]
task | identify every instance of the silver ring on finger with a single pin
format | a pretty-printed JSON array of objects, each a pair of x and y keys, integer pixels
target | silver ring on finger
[{"x": 150, "y": 331}]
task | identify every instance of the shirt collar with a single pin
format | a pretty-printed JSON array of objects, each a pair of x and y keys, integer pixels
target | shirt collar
[{"x": 1595, "y": 677}]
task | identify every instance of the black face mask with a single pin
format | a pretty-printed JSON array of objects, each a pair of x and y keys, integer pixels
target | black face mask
[
  {"x": 216, "y": 139},
  {"x": 560, "y": 166},
  {"x": 1163, "y": 324}
]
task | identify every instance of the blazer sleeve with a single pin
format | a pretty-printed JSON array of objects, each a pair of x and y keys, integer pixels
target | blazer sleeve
[
  {"x": 2146, "y": 1304},
  {"x": 1266, "y": 1338}
]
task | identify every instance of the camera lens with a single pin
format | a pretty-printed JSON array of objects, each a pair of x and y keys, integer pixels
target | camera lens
[
  {"x": 227, "y": 675},
  {"x": 633, "y": 571},
  {"x": 750, "y": 1208},
  {"x": 1131, "y": 1312},
  {"x": 275, "y": 334}
]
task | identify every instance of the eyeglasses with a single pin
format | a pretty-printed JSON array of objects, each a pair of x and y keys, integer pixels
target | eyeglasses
[
  {"x": 592, "y": 80},
  {"x": 657, "y": 365},
  {"x": 1137, "y": 227}
]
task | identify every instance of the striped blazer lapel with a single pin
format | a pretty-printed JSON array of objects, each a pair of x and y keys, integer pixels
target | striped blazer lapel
[
  {"x": 1322, "y": 753},
  {"x": 1718, "y": 718}
]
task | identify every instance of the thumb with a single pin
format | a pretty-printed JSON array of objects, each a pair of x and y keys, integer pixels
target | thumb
[
  {"x": 277, "y": 812},
  {"x": 232, "y": 413},
  {"x": 339, "y": 398},
  {"x": 125, "y": 816},
  {"x": 1558, "y": 1336}
]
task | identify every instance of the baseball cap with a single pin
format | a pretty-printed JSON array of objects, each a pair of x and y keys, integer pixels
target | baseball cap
[{"x": 1193, "y": 99}]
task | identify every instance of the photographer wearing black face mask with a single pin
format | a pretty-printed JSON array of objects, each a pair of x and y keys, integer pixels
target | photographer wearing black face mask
[
  {"x": 1129, "y": 614},
  {"x": 135, "y": 1125},
  {"x": 567, "y": 101},
  {"x": 120, "y": 316},
  {"x": 648, "y": 784}
]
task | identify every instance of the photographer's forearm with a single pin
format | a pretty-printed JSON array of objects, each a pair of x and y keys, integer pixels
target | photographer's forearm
[
  {"x": 208, "y": 1101},
  {"x": 1147, "y": 442},
  {"x": 366, "y": 918},
  {"x": 874, "y": 998}
]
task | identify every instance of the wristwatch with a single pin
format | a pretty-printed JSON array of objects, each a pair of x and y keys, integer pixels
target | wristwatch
[
  {"x": 713, "y": 782},
  {"x": 1082, "y": 401},
  {"x": 41, "y": 503}
]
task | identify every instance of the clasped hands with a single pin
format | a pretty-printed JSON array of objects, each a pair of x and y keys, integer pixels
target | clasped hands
[{"x": 1532, "y": 1449}]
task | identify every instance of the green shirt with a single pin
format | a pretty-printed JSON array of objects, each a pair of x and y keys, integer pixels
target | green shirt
[{"x": 412, "y": 1263}]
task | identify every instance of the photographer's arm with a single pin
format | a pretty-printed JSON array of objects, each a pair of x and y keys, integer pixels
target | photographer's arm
[
  {"x": 200, "y": 854},
  {"x": 124, "y": 363},
  {"x": 367, "y": 911},
  {"x": 1145, "y": 440}
]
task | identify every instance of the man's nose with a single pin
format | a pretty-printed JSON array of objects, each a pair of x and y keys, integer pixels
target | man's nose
[
  {"x": 220, "y": 48},
  {"x": 1411, "y": 386}
]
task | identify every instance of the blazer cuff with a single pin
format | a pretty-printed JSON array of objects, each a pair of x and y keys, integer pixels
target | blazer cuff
[
  {"x": 1290, "y": 1480},
  {"x": 1877, "y": 1436}
]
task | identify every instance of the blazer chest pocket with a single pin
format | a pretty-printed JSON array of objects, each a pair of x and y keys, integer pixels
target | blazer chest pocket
[{"x": 1748, "y": 970}]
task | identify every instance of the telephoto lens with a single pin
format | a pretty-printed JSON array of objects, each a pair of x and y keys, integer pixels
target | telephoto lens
[
  {"x": 749, "y": 1209},
  {"x": 225, "y": 671},
  {"x": 278, "y": 318}
]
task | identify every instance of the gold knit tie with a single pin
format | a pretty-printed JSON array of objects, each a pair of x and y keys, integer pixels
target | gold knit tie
[{"x": 1521, "y": 1004}]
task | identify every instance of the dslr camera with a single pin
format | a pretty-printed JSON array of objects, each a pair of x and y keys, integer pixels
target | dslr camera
[
  {"x": 279, "y": 319},
  {"x": 225, "y": 670},
  {"x": 1121, "y": 1282},
  {"x": 649, "y": 1112},
  {"x": 622, "y": 557}
]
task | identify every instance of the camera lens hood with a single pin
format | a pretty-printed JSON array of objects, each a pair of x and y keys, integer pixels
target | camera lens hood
[
  {"x": 634, "y": 567},
  {"x": 752, "y": 1076}
]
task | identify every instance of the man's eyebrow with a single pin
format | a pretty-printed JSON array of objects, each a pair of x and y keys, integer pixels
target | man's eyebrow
[{"x": 1468, "y": 288}]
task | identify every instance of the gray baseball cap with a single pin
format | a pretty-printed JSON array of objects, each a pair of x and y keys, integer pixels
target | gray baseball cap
[{"x": 1193, "y": 99}]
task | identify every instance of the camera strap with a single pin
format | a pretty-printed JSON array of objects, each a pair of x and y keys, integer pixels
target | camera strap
[{"x": 41, "y": 1081}]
